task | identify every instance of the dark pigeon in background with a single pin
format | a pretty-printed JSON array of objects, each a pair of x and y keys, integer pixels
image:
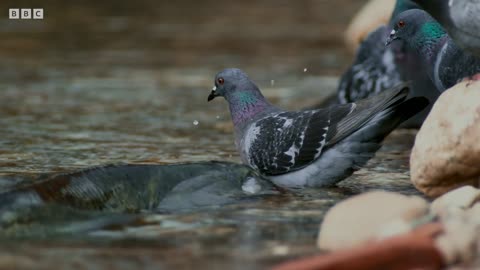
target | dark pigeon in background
[
  {"x": 461, "y": 19},
  {"x": 377, "y": 68},
  {"x": 311, "y": 148},
  {"x": 446, "y": 63}
]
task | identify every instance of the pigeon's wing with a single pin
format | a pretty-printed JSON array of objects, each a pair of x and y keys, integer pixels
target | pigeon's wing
[
  {"x": 373, "y": 71},
  {"x": 289, "y": 141}
]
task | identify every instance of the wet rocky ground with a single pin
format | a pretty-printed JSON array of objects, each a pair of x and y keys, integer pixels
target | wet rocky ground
[{"x": 109, "y": 82}]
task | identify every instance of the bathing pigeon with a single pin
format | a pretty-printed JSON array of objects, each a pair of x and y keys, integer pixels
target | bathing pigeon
[
  {"x": 313, "y": 147},
  {"x": 377, "y": 68},
  {"x": 461, "y": 19},
  {"x": 445, "y": 62}
]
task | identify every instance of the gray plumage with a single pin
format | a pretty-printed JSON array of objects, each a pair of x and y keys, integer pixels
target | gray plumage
[
  {"x": 377, "y": 68},
  {"x": 461, "y": 19},
  {"x": 373, "y": 71},
  {"x": 445, "y": 62},
  {"x": 313, "y": 147}
]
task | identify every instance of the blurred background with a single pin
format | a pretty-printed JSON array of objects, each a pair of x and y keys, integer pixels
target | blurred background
[{"x": 274, "y": 35}]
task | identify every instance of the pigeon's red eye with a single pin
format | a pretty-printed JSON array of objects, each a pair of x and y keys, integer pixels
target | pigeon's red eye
[
  {"x": 401, "y": 24},
  {"x": 220, "y": 81}
]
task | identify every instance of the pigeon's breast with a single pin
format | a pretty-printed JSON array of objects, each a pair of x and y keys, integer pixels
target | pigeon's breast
[{"x": 245, "y": 144}]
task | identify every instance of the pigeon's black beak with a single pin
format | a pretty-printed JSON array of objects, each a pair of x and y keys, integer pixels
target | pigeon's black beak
[
  {"x": 391, "y": 38},
  {"x": 212, "y": 94}
]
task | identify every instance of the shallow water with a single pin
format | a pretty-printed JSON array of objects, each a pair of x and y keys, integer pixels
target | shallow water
[{"x": 98, "y": 83}]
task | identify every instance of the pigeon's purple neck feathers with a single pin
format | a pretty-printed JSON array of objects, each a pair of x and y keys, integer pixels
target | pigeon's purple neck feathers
[{"x": 246, "y": 105}]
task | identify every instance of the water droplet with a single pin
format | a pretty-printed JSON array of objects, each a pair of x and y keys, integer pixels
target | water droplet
[
  {"x": 272, "y": 82},
  {"x": 305, "y": 70},
  {"x": 195, "y": 122},
  {"x": 251, "y": 186}
]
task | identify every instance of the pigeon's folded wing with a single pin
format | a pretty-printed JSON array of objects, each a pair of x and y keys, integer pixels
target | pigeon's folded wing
[{"x": 288, "y": 141}]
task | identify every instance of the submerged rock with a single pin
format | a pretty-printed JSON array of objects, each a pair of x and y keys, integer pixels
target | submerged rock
[
  {"x": 446, "y": 153},
  {"x": 113, "y": 195},
  {"x": 131, "y": 188}
]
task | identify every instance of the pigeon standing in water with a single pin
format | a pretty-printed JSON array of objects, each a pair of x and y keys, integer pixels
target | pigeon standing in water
[
  {"x": 461, "y": 19},
  {"x": 377, "y": 68},
  {"x": 446, "y": 63},
  {"x": 314, "y": 147}
]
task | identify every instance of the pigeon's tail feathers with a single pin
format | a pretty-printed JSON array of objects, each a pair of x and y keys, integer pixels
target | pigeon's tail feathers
[
  {"x": 401, "y": 112},
  {"x": 363, "y": 111},
  {"x": 387, "y": 120},
  {"x": 342, "y": 159}
]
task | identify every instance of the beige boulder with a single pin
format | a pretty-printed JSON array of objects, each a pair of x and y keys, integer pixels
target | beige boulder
[
  {"x": 374, "y": 14},
  {"x": 461, "y": 236},
  {"x": 459, "y": 199},
  {"x": 364, "y": 217},
  {"x": 446, "y": 154}
]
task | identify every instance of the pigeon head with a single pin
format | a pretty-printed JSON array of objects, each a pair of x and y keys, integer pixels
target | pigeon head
[
  {"x": 418, "y": 29},
  {"x": 234, "y": 85},
  {"x": 243, "y": 96},
  {"x": 228, "y": 81}
]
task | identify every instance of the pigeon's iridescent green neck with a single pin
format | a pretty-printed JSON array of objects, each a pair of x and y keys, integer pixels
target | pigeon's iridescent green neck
[
  {"x": 432, "y": 30},
  {"x": 403, "y": 5},
  {"x": 246, "y": 105},
  {"x": 430, "y": 39},
  {"x": 245, "y": 98}
]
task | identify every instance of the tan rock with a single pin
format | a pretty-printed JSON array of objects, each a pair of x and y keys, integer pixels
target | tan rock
[
  {"x": 361, "y": 218},
  {"x": 446, "y": 154},
  {"x": 374, "y": 14},
  {"x": 458, "y": 243},
  {"x": 460, "y": 198}
]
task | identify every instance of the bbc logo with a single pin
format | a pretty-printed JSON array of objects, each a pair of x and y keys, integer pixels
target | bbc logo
[{"x": 25, "y": 13}]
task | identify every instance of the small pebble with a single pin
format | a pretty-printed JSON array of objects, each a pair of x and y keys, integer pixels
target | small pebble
[{"x": 195, "y": 122}]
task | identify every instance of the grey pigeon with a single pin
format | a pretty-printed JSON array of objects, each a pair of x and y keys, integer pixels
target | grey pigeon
[
  {"x": 445, "y": 62},
  {"x": 377, "y": 68},
  {"x": 461, "y": 19},
  {"x": 313, "y": 147}
]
